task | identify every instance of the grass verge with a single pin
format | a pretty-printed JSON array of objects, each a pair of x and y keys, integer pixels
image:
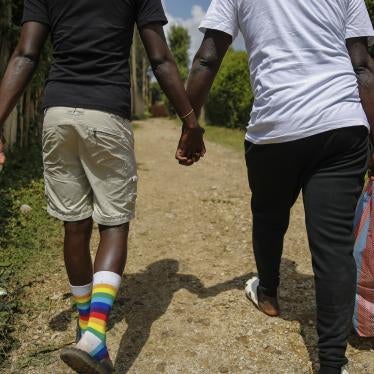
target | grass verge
[
  {"x": 25, "y": 238},
  {"x": 231, "y": 138}
]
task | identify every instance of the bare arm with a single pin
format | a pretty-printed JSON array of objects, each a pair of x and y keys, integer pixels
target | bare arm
[
  {"x": 191, "y": 146},
  {"x": 363, "y": 65},
  {"x": 21, "y": 67},
  {"x": 205, "y": 67}
]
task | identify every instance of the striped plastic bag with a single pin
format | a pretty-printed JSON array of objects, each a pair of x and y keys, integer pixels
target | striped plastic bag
[{"x": 363, "y": 319}]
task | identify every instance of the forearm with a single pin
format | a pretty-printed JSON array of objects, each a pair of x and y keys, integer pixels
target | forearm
[
  {"x": 18, "y": 74},
  {"x": 205, "y": 67},
  {"x": 363, "y": 65},
  {"x": 200, "y": 82},
  {"x": 169, "y": 79}
]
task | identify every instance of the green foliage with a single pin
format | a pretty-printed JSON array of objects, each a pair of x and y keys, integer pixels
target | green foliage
[
  {"x": 230, "y": 138},
  {"x": 179, "y": 43},
  {"x": 370, "y": 6},
  {"x": 231, "y": 98},
  {"x": 25, "y": 239}
]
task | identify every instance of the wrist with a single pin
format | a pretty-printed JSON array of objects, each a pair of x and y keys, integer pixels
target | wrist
[
  {"x": 190, "y": 125},
  {"x": 190, "y": 122}
]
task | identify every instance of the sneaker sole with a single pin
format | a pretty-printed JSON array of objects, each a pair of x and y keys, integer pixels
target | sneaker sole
[{"x": 82, "y": 363}]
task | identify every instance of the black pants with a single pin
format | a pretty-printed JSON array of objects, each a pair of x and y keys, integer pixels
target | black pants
[{"x": 329, "y": 169}]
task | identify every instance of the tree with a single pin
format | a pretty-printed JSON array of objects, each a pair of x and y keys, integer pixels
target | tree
[
  {"x": 179, "y": 43},
  {"x": 231, "y": 97}
]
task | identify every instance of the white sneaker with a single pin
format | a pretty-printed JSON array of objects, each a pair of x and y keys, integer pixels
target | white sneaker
[
  {"x": 345, "y": 370},
  {"x": 251, "y": 290}
]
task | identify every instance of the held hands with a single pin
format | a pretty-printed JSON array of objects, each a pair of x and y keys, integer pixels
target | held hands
[{"x": 191, "y": 145}]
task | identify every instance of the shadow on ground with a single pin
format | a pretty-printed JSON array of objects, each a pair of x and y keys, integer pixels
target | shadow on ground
[
  {"x": 298, "y": 304},
  {"x": 145, "y": 297},
  {"x": 297, "y": 300}
]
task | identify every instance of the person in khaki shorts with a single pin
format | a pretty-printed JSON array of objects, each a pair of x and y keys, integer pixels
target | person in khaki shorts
[
  {"x": 93, "y": 152},
  {"x": 88, "y": 145}
]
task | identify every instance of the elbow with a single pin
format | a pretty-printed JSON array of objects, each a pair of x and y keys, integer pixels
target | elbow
[
  {"x": 207, "y": 60},
  {"x": 158, "y": 61},
  {"x": 360, "y": 68},
  {"x": 28, "y": 56},
  {"x": 361, "y": 63}
]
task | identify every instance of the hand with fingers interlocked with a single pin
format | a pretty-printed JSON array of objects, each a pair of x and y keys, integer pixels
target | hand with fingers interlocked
[{"x": 191, "y": 145}]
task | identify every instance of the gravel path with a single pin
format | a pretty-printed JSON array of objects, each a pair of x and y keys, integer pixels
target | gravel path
[{"x": 181, "y": 308}]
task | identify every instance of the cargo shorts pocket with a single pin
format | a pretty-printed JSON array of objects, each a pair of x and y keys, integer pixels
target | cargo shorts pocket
[{"x": 111, "y": 153}]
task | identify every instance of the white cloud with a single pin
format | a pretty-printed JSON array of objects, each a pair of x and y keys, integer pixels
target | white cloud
[{"x": 191, "y": 24}]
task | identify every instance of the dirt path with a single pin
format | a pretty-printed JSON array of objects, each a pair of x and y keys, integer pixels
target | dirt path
[{"x": 181, "y": 308}]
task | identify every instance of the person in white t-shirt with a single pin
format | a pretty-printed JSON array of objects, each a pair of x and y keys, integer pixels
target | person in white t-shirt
[{"x": 308, "y": 132}]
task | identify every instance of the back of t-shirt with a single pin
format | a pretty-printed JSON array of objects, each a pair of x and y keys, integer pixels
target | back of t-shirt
[
  {"x": 91, "y": 42},
  {"x": 301, "y": 72}
]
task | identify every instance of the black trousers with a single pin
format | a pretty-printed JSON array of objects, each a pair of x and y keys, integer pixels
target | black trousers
[{"x": 329, "y": 169}]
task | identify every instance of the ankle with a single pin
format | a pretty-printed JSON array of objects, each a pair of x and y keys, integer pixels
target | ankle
[
  {"x": 267, "y": 292},
  {"x": 268, "y": 304}
]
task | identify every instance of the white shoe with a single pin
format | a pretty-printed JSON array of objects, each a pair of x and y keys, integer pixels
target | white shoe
[
  {"x": 345, "y": 370},
  {"x": 251, "y": 290}
]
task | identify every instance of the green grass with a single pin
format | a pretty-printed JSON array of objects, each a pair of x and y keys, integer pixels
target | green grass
[
  {"x": 230, "y": 138},
  {"x": 25, "y": 239}
]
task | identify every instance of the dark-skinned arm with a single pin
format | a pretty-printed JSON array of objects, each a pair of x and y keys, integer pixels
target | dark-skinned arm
[
  {"x": 191, "y": 145},
  {"x": 205, "y": 67},
  {"x": 363, "y": 65},
  {"x": 20, "y": 70}
]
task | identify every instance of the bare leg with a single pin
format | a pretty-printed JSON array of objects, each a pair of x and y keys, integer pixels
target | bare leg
[
  {"x": 112, "y": 252},
  {"x": 77, "y": 251}
]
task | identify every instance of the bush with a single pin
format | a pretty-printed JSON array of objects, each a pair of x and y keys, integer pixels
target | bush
[{"x": 230, "y": 100}]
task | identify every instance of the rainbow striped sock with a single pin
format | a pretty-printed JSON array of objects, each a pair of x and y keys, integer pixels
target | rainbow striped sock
[
  {"x": 105, "y": 288},
  {"x": 82, "y": 301}
]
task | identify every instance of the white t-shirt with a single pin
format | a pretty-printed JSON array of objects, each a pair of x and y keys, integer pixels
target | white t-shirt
[{"x": 301, "y": 74}]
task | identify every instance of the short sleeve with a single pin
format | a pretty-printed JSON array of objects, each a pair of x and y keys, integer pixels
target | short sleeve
[
  {"x": 358, "y": 20},
  {"x": 36, "y": 11},
  {"x": 222, "y": 15},
  {"x": 149, "y": 11}
]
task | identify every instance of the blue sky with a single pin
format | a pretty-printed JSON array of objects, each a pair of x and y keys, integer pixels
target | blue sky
[
  {"x": 189, "y": 14},
  {"x": 182, "y": 8}
]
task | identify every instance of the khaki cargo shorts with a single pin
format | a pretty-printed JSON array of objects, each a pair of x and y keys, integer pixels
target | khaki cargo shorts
[{"x": 89, "y": 166}]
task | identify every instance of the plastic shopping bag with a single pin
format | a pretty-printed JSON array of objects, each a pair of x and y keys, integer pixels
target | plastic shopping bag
[{"x": 363, "y": 319}]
